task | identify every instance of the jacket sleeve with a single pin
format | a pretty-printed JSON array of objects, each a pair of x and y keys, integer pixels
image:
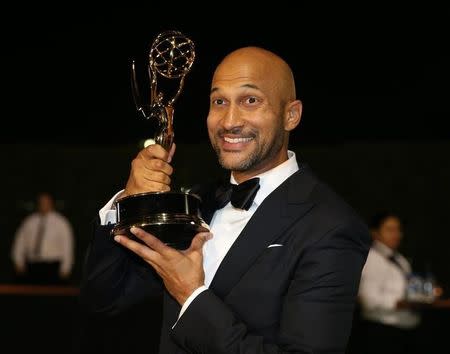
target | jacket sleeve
[
  {"x": 316, "y": 313},
  {"x": 114, "y": 279}
]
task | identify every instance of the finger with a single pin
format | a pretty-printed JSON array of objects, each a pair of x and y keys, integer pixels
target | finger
[
  {"x": 151, "y": 241},
  {"x": 171, "y": 152},
  {"x": 199, "y": 240},
  {"x": 141, "y": 250},
  {"x": 155, "y": 151},
  {"x": 150, "y": 186},
  {"x": 153, "y": 164},
  {"x": 158, "y": 177},
  {"x": 157, "y": 187},
  {"x": 151, "y": 257},
  {"x": 158, "y": 165},
  {"x": 144, "y": 180},
  {"x": 143, "y": 183}
]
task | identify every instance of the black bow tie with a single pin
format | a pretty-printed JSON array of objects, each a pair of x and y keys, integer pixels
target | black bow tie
[{"x": 241, "y": 195}]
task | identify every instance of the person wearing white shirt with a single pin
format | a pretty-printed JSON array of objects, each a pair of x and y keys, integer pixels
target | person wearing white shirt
[
  {"x": 279, "y": 270},
  {"x": 389, "y": 324},
  {"x": 42, "y": 250}
]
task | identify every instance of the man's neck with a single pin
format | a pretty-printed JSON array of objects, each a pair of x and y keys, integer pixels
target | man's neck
[
  {"x": 381, "y": 246},
  {"x": 242, "y": 176}
]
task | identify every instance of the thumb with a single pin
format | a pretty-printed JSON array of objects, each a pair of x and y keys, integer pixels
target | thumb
[
  {"x": 199, "y": 240},
  {"x": 171, "y": 152}
]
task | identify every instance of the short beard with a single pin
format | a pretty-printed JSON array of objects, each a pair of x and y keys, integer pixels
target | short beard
[{"x": 263, "y": 153}]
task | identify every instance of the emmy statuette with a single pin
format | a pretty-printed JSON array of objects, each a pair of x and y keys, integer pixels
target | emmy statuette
[{"x": 173, "y": 217}]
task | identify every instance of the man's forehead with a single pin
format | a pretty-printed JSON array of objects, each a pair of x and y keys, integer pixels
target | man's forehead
[
  {"x": 235, "y": 69},
  {"x": 243, "y": 85},
  {"x": 262, "y": 69},
  {"x": 243, "y": 77}
]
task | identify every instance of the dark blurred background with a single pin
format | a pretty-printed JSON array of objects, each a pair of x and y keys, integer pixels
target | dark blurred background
[{"x": 373, "y": 81}]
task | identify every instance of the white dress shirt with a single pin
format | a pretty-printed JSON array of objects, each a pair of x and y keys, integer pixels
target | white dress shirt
[
  {"x": 382, "y": 285},
  {"x": 56, "y": 244},
  {"x": 227, "y": 223}
]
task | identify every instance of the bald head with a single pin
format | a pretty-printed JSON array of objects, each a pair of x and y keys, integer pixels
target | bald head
[
  {"x": 252, "y": 111},
  {"x": 262, "y": 67}
]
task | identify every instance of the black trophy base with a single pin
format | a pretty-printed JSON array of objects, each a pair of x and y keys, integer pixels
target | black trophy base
[
  {"x": 174, "y": 218},
  {"x": 176, "y": 234}
]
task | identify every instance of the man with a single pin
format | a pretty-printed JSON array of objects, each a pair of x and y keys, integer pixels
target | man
[
  {"x": 43, "y": 246},
  {"x": 389, "y": 322},
  {"x": 277, "y": 275}
]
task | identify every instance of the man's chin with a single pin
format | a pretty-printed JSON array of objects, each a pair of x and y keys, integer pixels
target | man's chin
[{"x": 233, "y": 163}]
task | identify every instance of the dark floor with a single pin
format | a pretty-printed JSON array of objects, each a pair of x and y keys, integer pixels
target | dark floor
[{"x": 55, "y": 324}]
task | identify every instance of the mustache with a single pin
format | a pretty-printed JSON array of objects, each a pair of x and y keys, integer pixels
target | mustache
[{"x": 237, "y": 131}]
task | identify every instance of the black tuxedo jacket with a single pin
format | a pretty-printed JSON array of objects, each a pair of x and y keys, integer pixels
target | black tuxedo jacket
[{"x": 295, "y": 298}]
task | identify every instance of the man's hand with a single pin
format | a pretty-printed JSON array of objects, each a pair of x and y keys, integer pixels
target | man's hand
[
  {"x": 150, "y": 171},
  {"x": 181, "y": 271}
]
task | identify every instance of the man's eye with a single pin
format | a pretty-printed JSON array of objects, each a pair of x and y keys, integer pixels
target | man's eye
[
  {"x": 251, "y": 100},
  {"x": 218, "y": 101}
]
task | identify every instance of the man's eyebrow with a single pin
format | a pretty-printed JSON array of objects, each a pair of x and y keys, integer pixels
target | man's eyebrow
[
  {"x": 251, "y": 86},
  {"x": 214, "y": 89}
]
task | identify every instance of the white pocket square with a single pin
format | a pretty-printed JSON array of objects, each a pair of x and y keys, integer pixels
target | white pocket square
[{"x": 275, "y": 245}]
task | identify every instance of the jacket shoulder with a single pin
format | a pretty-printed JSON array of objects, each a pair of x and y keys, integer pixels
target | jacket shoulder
[{"x": 331, "y": 211}]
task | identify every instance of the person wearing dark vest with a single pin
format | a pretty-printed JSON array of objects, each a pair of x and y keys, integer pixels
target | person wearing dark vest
[
  {"x": 280, "y": 268},
  {"x": 388, "y": 324}
]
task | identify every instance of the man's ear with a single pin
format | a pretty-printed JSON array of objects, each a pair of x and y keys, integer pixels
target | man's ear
[{"x": 292, "y": 115}]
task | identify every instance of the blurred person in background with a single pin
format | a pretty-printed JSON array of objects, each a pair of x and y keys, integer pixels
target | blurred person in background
[
  {"x": 389, "y": 322},
  {"x": 43, "y": 246}
]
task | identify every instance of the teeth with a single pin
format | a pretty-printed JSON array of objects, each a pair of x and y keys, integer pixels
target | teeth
[{"x": 236, "y": 140}]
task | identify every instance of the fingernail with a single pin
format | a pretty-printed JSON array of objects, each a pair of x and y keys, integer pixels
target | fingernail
[
  {"x": 117, "y": 238},
  {"x": 208, "y": 236},
  {"x": 133, "y": 230}
]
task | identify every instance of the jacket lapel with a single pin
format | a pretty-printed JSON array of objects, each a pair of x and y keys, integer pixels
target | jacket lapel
[{"x": 288, "y": 203}]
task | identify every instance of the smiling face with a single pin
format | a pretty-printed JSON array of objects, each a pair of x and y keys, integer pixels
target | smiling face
[{"x": 252, "y": 110}]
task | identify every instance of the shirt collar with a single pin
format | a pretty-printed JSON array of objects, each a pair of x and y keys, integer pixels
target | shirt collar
[
  {"x": 382, "y": 248},
  {"x": 270, "y": 180}
]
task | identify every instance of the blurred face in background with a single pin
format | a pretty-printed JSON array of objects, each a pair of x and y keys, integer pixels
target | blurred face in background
[
  {"x": 390, "y": 232},
  {"x": 45, "y": 203}
]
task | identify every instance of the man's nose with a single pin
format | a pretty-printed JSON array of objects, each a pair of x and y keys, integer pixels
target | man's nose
[{"x": 232, "y": 118}]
